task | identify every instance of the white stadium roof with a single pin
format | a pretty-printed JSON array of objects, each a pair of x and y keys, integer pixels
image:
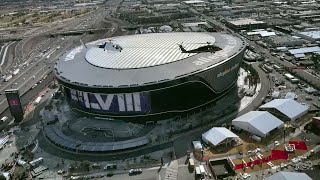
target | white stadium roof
[
  {"x": 145, "y": 51},
  {"x": 288, "y": 107},
  {"x": 262, "y": 121},
  {"x": 289, "y": 176},
  {"x": 217, "y": 134}
]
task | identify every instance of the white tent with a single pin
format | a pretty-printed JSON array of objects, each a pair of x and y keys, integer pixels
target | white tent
[
  {"x": 288, "y": 108},
  {"x": 258, "y": 123},
  {"x": 217, "y": 134},
  {"x": 289, "y": 176},
  {"x": 197, "y": 145}
]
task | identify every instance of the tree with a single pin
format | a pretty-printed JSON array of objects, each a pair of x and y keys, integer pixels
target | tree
[
  {"x": 316, "y": 58},
  {"x": 2, "y": 177},
  {"x": 85, "y": 165}
]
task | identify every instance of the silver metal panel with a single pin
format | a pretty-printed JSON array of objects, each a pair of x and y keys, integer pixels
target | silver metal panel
[
  {"x": 153, "y": 64},
  {"x": 145, "y": 50}
]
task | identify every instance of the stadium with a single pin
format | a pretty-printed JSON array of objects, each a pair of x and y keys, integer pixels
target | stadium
[{"x": 149, "y": 76}]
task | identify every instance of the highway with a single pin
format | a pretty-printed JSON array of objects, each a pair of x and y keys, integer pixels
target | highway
[{"x": 37, "y": 54}]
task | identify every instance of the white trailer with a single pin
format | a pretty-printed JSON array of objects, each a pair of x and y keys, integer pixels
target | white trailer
[
  {"x": 38, "y": 99},
  {"x": 202, "y": 170},
  {"x": 36, "y": 162},
  {"x": 8, "y": 77},
  {"x": 15, "y": 72},
  {"x": 288, "y": 76}
]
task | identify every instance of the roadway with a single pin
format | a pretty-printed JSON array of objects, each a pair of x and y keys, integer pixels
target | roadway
[
  {"x": 304, "y": 75},
  {"x": 7, "y": 56},
  {"x": 38, "y": 63}
]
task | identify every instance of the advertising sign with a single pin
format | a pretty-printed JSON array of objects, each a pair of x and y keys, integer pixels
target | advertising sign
[
  {"x": 114, "y": 103},
  {"x": 14, "y": 103}
]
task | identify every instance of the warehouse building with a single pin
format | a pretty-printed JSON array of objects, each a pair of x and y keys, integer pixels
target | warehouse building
[
  {"x": 309, "y": 35},
  {"x": 241, "y": 24},
  {"x": 280, "y": 41}
]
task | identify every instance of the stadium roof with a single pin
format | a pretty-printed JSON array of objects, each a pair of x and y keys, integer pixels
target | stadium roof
[
  {"x": 305, "y": 50},
  {"x": 289, "y": 176},
  {"x": 288, "y": 107},
  {"x": 262, "y": 121},
  {"x": 144, "y": 58},
  {"x": 218, "y": 134}
]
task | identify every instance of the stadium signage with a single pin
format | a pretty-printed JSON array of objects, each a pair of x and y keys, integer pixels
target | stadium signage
[
  {"x": 227, "y": 70},
  {"x": 131, "y": 102},
  {"x": 223, "y": 54}
]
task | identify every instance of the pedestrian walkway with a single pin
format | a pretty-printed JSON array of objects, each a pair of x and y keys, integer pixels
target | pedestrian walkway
[
  {"x": 171, "y": 170},
  {"x": 171, "y": 174}
]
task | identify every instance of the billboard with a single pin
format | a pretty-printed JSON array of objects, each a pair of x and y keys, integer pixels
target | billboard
[
  {"x": 14, "y": 103},
  {"x": 137, "y": 103}
]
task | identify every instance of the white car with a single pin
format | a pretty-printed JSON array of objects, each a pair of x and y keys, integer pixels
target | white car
[{"x": 135, "y": 171}]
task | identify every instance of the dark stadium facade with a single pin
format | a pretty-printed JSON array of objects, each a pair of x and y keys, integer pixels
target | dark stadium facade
[{"x": 147, "y": 77}]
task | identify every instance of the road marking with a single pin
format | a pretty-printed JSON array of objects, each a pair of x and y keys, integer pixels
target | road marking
[
  {"x": 30, "y": 77},
  {"x": 3, "y": 48},
  {"x": 1, "y": 103},
  {"x": 5, "y": 53}
]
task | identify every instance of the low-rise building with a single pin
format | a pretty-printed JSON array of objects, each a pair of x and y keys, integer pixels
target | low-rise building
[
  {"x": 309, "y": 35},
  {"x": 246, "y": 24},
  {"x": 281, "y": 41}
]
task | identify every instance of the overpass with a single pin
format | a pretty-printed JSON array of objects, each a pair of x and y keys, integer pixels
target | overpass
[
  {"x": 8, "y": 39},
  {"x": 78, "y": 32}
]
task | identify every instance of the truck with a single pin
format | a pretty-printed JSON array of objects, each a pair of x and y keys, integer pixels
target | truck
[
  {"x": 191, "y": 164},
  {"x": 202, "y": 170},
  {"x": 3, "y": 119},
  {"x": 197, "y": 173},
  {"x": 38, "y": 99},
  {"x": 15, "y": 72},
  {"x": 7, "y": 78},
  {"x": 288, "y": 76},
  {"x": 36, "y": 162},
  {"x": 294, "y": 81}
]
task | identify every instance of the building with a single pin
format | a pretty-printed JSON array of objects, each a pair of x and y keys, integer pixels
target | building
[
  {"x": 302, "y": 51},
  {"x": 285, "y": 109},
  {"x": 289, "y": 176},
  {"x": 218, "y": 136},
  {"x": 290, "y": 95},
  {"x": 281, "y": 41},
  {"x": 260, "y": 123},
  {"x": 309, "y": 35},
  {"x": 145, "y": 77},
  {"x": 248, "y": 24}
]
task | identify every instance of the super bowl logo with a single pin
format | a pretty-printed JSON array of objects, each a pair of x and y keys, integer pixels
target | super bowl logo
[{"x": 130, "y": 102}]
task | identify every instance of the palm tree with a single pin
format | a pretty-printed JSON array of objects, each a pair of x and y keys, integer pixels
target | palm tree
[{"x": 316, "y": 58}]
